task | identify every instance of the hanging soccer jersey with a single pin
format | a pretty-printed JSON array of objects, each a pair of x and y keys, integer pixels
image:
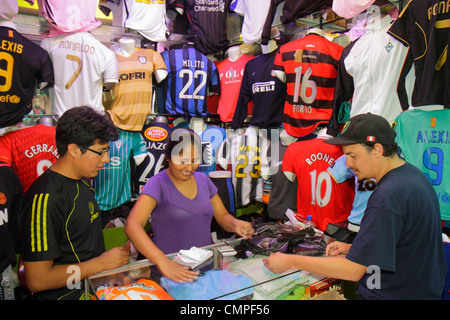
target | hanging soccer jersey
[
  {"x": 267, "y": 92},
  {"x": 361, "y": 82},
  {"x": 310, "y": 65},
  {"x": 156, "y": 136},
  {"x": 133, "y": 94},
  {"x": 424, "y": 27},
  {"x": 113, "y": 183},
  {"x": 22, "y": 64},
  {"x": 208, "y": 23},
  {"x": 69, "y": 15},
  {"x": 30, "y": 151},
  {"x": 245, "y": 153},
  {"x": 424, "y": 139},
  {"x": 190, "y": 76},
  {"x": 317, "y": 193},
  {"x": 147, "y": 17},
  {"x": 231, "y": 73},
  {"x": 83, "y": 65},
  {"x": 255, "y": 13}
]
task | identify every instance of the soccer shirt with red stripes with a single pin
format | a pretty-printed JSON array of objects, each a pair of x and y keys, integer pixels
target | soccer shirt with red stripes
[{"x": 310, "y": 65}]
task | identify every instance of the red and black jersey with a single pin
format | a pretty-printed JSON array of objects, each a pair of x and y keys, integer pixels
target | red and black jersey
[
  {"x": 30, "y": 151},
  {"x": 424, "y": 26},
  {"x": 22, "y": 64},
  {"x": 310, "y": 65}
]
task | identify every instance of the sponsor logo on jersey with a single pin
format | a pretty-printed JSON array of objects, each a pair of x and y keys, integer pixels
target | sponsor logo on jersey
[
  {"x": 155, "y": 134},
  {"x": 2, "y": 198},
  {"x": 263, "y": 86},
  {"x": 10, "y": 98},
  {"x": 142, "y": 60}
]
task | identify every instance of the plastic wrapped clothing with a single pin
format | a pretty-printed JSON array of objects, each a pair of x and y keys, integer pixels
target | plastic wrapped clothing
[{"x": 277, "y": 237}]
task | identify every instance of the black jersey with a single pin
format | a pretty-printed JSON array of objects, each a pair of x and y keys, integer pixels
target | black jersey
[
  {"x": 292, "y": 10},
  {"x": 22, "y": 64},
  {"x": 60, "y": 221},
  {"x": 10, "y": 193},
  {"x": 208, "y": 23},
  {"x": 267, "y": 92},
  {"x": 423, "y": 25}
]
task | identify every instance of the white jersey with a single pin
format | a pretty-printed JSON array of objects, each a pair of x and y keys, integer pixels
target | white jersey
[
  {"x": 255, "y": 13},
  {"x": 246, "y": 154},
  {"x": 82, "y": 64},
  {"x": 147, "y": 17}
]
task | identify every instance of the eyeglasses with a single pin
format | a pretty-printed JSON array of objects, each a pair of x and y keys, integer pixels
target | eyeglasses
[{"x": 100, "y": 153}]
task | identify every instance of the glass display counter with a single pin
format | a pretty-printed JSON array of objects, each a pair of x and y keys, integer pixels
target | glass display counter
[{"x": 221, "y": 277}]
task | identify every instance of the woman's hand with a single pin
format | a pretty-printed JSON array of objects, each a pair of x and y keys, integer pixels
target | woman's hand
[
  {"x": 176, "y": 271},
  {"x": 243, "y": 228}
]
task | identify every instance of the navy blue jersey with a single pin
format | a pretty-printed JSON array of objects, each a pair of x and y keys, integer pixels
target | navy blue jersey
[
  {"x": 156, "y": 135},
  {"x": 190, "y": 76},
  {"x": 267, "y": 92},
  {"x": 22, "y": 64}
]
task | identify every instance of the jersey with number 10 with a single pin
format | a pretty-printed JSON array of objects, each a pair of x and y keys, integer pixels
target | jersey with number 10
[
  {"x": 191, "y": 73},
  {"x": 310, "y": 65},
  {"x": 317, "y": 193},
  {"x": 424, "y": 139}
]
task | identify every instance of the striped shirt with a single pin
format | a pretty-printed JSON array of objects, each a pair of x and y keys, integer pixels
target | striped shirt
[
  {"x": 245, "y": 153},
  {"x": 113, "y": 183},
  {"x": 310, "y": 65},
  {"x": 190, "y": 76}
]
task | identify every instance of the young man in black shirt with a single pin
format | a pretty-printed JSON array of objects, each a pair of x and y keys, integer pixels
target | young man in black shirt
[{"x": 60, "y": 218}]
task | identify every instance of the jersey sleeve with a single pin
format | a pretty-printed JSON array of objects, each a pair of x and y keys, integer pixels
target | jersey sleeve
[
  {"x": 5, "y": 149},
  {"x": 41, "y": 229},
  {"x": 111, "y": 73},
  {"x": 288, "y": 161},
  {"x": 158, "y": 61},
  {"x": 338, "y": 171},
  {"x": 45, "y": 72},
  {"x": 401, "y": 27},
  {"x": 278, "y": 62},
  {"x": 245, "y": 96},
  {"x": 139, "y": 147},
  {"x": 215, "y": 80}
]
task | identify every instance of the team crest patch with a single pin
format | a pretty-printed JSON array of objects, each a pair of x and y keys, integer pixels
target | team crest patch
[
  {"x": 142, "y": 60},
  {"x": 91, "y": 207},
  {"x": 389, "y": 46}
]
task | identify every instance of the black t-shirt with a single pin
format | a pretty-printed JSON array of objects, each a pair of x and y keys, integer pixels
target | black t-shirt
[
  {"x": 10, "y": 193},
  {"x": 22, "y": 64},
  {"x": 60, "y": 221},
  {"x": 400, "y": 239}
]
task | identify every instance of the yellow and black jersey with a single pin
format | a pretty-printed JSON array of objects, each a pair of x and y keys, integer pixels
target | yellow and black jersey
[{"x": 60, "y": 221}]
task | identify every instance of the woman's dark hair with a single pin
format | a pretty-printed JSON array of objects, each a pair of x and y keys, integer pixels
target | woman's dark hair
[
  {"x": 178, "y": 139},
  {"x": 83, "y": 126}
]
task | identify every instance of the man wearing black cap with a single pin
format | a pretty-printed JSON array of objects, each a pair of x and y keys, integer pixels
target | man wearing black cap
[{"x": 398, "y": 252}]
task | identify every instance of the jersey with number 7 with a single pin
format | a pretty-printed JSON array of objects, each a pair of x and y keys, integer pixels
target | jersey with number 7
[{"x": 82, "y": 64}]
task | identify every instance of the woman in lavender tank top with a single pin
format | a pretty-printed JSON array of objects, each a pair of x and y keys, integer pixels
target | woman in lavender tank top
[{"x": 181, "y": 203}]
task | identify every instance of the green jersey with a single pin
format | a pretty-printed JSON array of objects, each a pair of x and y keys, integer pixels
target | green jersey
[{"x": 424, "y": 139}]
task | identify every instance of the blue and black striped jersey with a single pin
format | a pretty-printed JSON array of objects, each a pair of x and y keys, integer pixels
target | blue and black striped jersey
[{"x": 191, "y": 76}]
